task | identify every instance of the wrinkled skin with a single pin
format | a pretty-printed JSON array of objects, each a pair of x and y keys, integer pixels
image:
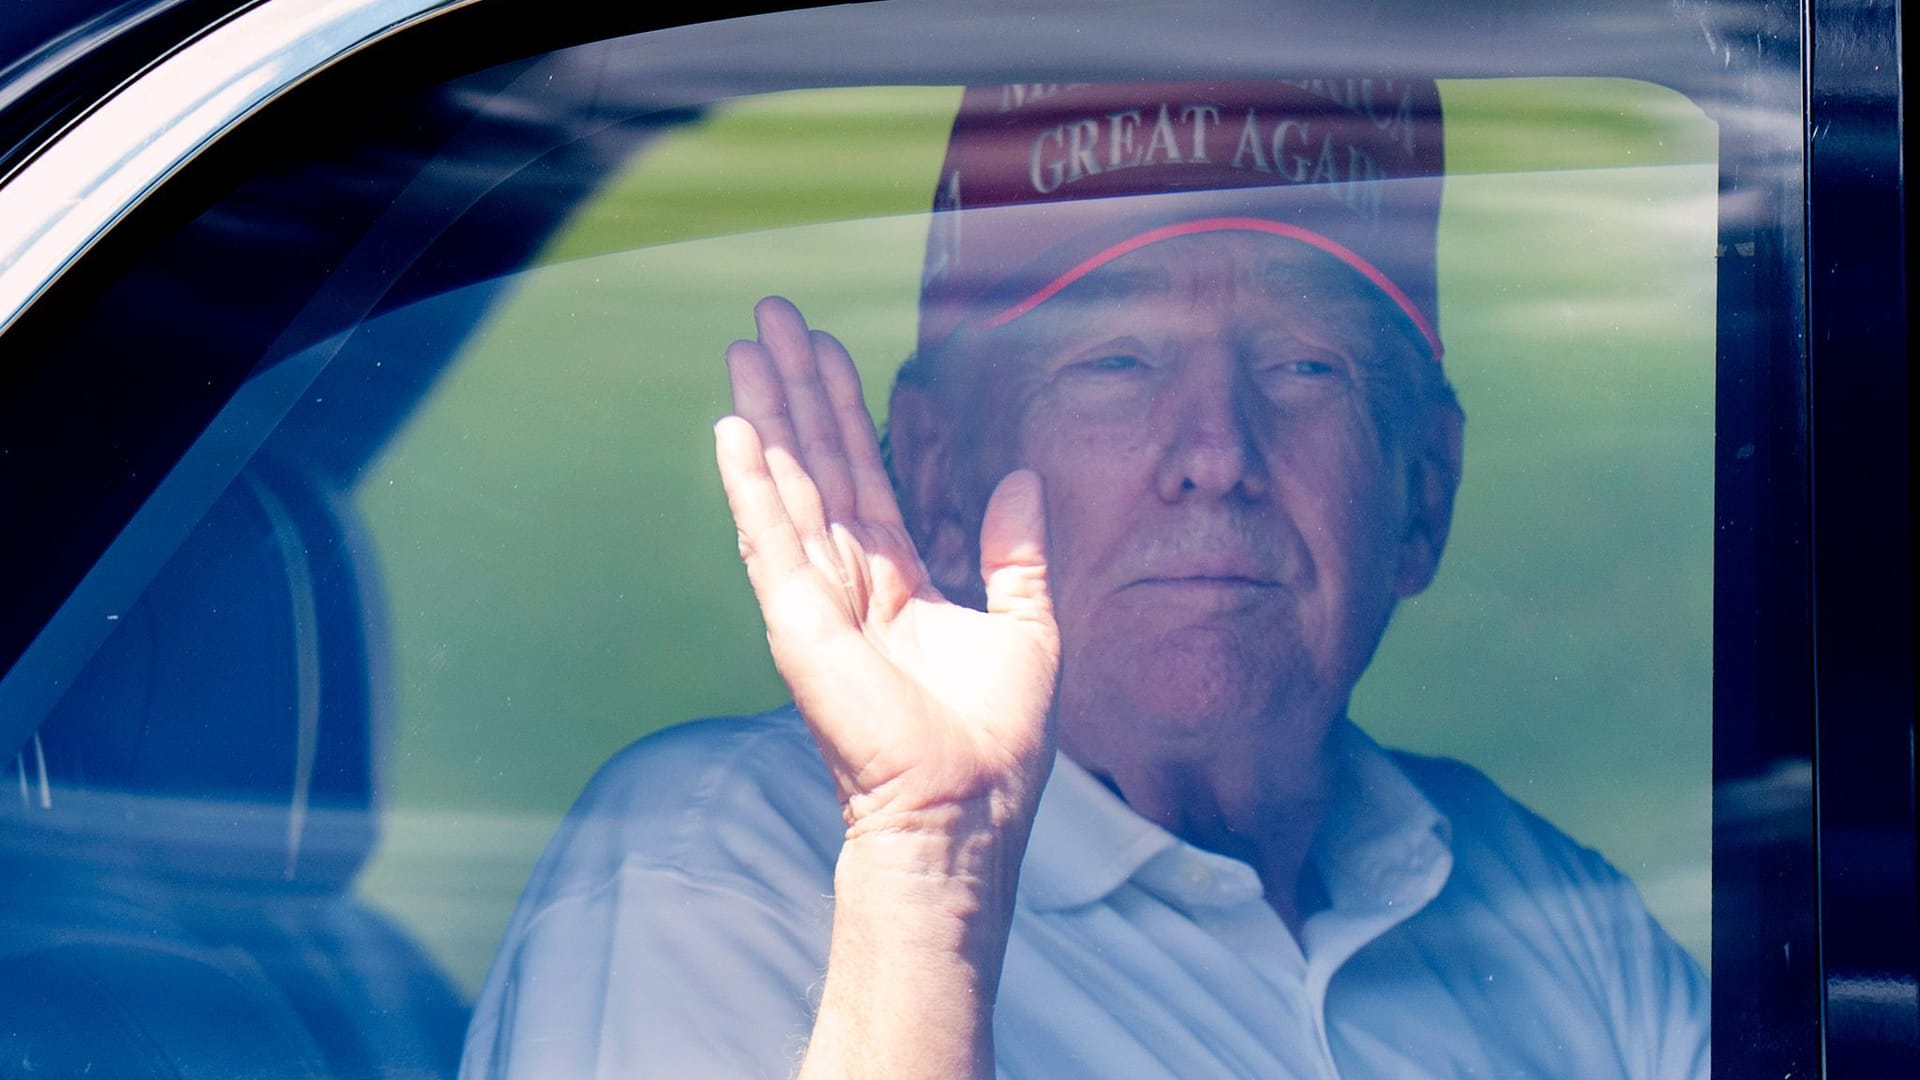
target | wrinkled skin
[{"x": 1229, "y": 520}]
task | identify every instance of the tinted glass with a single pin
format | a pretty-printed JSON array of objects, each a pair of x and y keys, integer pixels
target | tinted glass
[{"x": 455, "y": 539}]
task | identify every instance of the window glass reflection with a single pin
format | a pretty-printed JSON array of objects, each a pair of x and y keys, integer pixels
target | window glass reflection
[{"x": 1563, "y": 649}]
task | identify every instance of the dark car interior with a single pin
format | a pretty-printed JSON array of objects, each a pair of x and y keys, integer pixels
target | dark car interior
[
  {"x": 195, "y": 809},
  {"x": 205, "y": 798}
]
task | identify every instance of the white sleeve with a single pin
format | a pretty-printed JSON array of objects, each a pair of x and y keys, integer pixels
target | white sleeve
[
  {"x": 1662, "y": 1008},
  {"x": 653, "y": 974},
  {"x": 678, "y": 923}
]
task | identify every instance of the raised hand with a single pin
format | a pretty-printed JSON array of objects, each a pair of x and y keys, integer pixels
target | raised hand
[{"x": 928, "y": 713}]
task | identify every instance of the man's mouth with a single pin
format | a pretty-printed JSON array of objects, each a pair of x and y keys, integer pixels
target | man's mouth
[
  {"x": 1210, "y": 559},
  {"x": 1226, "y": 576},
  {"x": 1212, "y": 593},
  {"x": 1237, "y": 581}
]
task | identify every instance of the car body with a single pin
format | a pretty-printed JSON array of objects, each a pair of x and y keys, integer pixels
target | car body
[{"x": 254, "y": 257}]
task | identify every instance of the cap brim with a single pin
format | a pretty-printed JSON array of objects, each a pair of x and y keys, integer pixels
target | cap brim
[{"x": 1373, "y": 274}]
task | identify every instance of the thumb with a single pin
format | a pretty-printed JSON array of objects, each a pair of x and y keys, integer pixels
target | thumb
[{"x": 1013, "y": 549}]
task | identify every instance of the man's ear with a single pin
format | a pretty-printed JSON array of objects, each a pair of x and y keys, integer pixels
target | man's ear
[
  {"x": 923, "y": 452},
  {"x": 1433, "y": 478}
]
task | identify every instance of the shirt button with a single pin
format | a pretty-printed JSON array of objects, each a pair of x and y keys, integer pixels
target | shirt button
[{"x": 1199, "y": 876}]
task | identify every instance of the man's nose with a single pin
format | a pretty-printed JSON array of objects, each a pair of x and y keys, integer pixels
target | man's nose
[{"x": 1213, "y": 417}]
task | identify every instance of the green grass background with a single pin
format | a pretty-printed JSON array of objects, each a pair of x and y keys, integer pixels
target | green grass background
[{"x": 560, "y": 569}]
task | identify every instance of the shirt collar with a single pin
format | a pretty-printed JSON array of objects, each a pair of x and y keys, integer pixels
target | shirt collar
[
  {"x": 1382, "y": 845},
  {"x": 1086, "y": 841}
]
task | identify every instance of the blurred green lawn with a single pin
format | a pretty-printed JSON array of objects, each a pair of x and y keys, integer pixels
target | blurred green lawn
[{"x": 560, "y": 569}]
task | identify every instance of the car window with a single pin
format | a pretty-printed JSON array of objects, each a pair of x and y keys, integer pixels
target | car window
[
  {"x": 576, "y": 418},
  {"x": 456, "y": 533}
]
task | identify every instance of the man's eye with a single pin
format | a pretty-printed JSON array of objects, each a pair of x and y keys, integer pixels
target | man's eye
[
  {"x": 1112, "y": 362},
  {"x": 1306, "y": 366}
]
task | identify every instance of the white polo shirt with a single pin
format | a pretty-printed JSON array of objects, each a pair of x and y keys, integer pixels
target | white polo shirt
[{"x": 678, "y": 926}]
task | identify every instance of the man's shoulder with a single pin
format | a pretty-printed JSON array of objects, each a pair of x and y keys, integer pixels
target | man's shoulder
[
  {"x": 1494, "y": 834},
  {"x": 705, "y": 852},
  {"x": 1530, "y": 909},
  {"x": 710, "y": 799},
  {"x": 1457, "y": 788},
  {"x": 695, "y": 762},
  {"x": 1514, "y": 869}
]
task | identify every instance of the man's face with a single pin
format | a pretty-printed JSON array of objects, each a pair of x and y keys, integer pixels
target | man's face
[{"x": 1228, "y": 531}]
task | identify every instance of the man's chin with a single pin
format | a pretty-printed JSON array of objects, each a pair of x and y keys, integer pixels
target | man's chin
[{"x": 1194, "y": 679}]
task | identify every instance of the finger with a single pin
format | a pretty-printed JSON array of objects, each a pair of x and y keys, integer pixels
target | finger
[
  {"x": 874, "y": 499},
  {"x": 769, "y": 544},
  {"x": 1013, "y": 549},
  {"x": 816, "y": 431},
  {"x": 759, "y": 398},
  {"x": 796, "y": 602}
]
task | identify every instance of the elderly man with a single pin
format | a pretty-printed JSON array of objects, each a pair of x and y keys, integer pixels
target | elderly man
[{"x": 1069, "y": 786}]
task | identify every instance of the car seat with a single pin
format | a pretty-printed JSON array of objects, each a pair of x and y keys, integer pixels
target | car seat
[{"x": 178, "y": 849}]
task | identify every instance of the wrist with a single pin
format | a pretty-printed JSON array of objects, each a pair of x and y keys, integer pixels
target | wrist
[
  {"x": 961, "y": 866},
  {"x": 920, "y": 929}
]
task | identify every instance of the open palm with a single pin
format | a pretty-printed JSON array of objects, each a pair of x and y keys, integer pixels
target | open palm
[{"x": 920, "y": 706}]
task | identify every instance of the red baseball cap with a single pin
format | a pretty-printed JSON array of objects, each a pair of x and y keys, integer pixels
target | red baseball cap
[{"x": 1043, "y": 183}]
